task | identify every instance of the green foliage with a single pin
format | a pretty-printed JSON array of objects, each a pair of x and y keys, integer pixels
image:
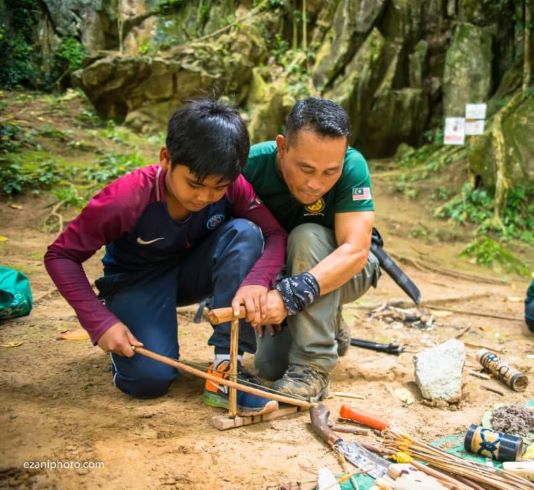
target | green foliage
[
  {"x": 488, "y": 252},
  {"x": 113, "y": 166},
  {"x": 11, "y": 137},
  {"x": 477, "y": 206},
  {"x": 70, "y": 197},
  {"x": 71, "y": 52},
  {"x": 12, "y": 180},
  {"x": 18, "y": 65}
]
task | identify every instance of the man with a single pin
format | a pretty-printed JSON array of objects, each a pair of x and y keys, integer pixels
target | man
[{"x": 319, "y": 189}]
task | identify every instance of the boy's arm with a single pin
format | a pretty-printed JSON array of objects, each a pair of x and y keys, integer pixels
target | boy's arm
[
  {"x": 103, "y": 220},
  {"x": 245, "y": 204}
]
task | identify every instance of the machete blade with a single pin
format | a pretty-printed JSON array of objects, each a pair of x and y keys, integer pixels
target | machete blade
[{"x": 362, "y": 458}]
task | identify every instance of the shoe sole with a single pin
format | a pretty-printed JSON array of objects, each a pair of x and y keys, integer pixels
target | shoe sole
[
  {"x": 312, "y": 399},
  {"x": 212, "y": 400}
]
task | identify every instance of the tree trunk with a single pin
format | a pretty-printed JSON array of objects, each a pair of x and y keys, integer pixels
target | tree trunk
[{"x": 527, "y": 51}]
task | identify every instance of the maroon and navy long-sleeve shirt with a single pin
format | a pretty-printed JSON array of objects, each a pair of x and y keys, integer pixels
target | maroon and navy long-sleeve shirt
[{"x": 130, "y": 218}]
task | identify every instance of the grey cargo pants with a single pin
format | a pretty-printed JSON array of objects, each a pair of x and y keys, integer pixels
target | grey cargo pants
[{"x": 310, "y": 337}]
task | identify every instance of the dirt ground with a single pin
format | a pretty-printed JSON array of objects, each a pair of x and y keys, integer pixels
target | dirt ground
[{"x": 57, "y": 402}]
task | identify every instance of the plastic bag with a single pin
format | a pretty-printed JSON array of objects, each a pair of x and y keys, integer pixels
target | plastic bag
[{"x": 15, "y": 293}]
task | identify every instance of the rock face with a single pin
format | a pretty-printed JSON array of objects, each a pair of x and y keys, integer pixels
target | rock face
[
  {"x": 397, "y": 66},
  {"x": 467, "y": 75},
  {"x": 145, "y": 91},
  {"x": 517, "y": 130},
  {"x": 438, "y": 371}
]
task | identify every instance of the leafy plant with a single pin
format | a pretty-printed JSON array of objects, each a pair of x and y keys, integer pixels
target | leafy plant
[
  {"x": 477, "y": 206},
  {"x": 12, "y": 180},
  {"x": 488, "y": 252},
  {"x": 71, "y": 52},
  {"x": 70, "y": 197},
  {"x": 113, "y": 166}
]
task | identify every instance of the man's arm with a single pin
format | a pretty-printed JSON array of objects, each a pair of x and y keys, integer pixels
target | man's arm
[{"x": 353, "y": 236}]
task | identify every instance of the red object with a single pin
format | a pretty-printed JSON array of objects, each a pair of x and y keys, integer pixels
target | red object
[{"x": 350, "y": 413}]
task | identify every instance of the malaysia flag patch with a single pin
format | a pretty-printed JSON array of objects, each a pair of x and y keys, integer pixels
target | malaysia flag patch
[{"x": 361, "y": 193}]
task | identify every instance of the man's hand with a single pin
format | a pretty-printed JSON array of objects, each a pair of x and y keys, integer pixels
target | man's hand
[
  {"x": 254, "y": 299},
  {"x": 119, "y": 340},
  {"x": 276, "y": 314}
]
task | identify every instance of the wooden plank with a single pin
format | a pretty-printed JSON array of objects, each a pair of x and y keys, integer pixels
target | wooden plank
[{"x": 224, "y": 422}]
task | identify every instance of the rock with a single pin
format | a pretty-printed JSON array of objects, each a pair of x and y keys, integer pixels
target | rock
[
  {"x": 352, "y": 21},
  {"x": 402, "y": 22},
  {"x": 145, "y": 91},
  {"x": 467, "y": 74},
  {"x": 438, "y": 371},
  {"x": 517, "y": 130},
  {"x": 356, "y": 88}
]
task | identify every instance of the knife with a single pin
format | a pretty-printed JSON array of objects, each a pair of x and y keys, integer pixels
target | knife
[{"x": 372, "y": 464}]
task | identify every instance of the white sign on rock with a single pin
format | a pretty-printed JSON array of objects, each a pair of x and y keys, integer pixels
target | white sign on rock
[
  {"x": 454, "y": 131},
  {"x": 475, "y": 111}
]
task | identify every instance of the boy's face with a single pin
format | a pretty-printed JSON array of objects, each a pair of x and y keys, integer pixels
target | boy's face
[
  {"x": 184, "y": 186},
  {"x": 311, "y": 164}
]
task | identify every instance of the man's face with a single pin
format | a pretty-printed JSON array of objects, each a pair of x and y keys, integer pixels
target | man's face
[
  {"x": 311, "y": 164},
  {"x": 184, "y": 187}
]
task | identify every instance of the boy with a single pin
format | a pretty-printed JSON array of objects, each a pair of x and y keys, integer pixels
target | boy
[{"x": 169, "y": 242}]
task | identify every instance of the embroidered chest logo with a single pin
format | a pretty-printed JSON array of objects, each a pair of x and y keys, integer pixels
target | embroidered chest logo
[
  {"x": 361, "y": 193},
  {"x": 316, "y": 208},
  {"x": 140, "y": 241},
  {"x": 214, "y": 221}
]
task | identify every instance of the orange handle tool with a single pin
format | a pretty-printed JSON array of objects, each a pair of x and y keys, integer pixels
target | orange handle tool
[{"x": 350, "y": 413}]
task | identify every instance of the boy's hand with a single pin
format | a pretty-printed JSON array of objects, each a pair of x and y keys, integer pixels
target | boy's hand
[
  {"x": 119, "y": 340},
  {"x": 254, "y": 299}
]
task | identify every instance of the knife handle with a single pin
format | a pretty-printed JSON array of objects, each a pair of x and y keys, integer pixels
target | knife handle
[
  {"x": 319, "y": 419},
  {"x": 350, "y": 413}
]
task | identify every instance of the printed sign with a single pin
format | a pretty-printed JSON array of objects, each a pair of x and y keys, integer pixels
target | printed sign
[
  {"x": 475, "y": 111},
  {"x": 474, "y": 127},
  {"x": 454, "y": 131}
]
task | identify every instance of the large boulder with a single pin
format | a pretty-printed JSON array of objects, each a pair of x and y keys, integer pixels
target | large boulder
[
  {"x": 467, "y": 76},
  {"x": 352, "y": 22},
  {"x": 94, "y": 22},
  {"x": 517, "y": 129},
  {"x": 146, "y": 90}
]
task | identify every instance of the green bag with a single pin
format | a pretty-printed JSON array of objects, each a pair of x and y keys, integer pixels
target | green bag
[{"x": 15, "y": 293}]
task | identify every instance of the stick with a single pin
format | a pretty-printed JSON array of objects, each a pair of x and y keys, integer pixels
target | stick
[
  {"x": 479, "y": 375},
  {"x": 490, "y": 388},
  {"x": 232, "y": 393},
  {"x": 223, "y": 315},
  {"x": 347, "y": 395},
  {"x": 473, "y": 313},
  {"x": 196, "y": 372}
]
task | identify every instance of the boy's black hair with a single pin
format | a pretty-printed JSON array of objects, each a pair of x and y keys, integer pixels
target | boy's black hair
[
  {"x": 209, "y": 138},
  {"x": 322, "y": 116}
]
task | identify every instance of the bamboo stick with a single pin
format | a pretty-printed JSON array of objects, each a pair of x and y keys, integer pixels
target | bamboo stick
[
  {"x": 197, "y": 372},
  {"x": 232, "y": 392},
  {"x": 223, "y": 315}
]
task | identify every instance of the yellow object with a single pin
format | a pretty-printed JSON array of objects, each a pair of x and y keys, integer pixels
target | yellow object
[
  {"x": 401, "y": 457},
  {"x": 529, "y": 453}
]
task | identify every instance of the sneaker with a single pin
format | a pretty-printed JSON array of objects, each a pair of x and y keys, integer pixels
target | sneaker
[
  {"x": 303, "y": 382},
  {"x": 343, "y": 336},
  {"x": 216, "y": 395}
]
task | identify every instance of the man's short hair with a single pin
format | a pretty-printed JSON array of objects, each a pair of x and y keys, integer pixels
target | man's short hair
[
  {"x": 209, "y": 138},
  {"x": 322, "y": 116}
]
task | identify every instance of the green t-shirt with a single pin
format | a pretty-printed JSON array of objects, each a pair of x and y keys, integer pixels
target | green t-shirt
[{"x": 352, "y": 192}]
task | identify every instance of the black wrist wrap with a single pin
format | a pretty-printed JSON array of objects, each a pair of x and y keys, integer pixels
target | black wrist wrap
[{"x": 298, "y": 291}]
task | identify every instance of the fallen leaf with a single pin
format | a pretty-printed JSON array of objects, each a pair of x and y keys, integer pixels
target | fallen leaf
[
  {"x": 78, "y": 334},
  {"x": 515, "y": 299},
  {"x": 15, "y": 206},
  {"x": 3, "y": 238},
  {"x": 14, "y": 343}
]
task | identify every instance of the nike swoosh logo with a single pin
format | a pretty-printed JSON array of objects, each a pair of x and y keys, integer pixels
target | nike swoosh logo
[{"x": 140, "y": 241}]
